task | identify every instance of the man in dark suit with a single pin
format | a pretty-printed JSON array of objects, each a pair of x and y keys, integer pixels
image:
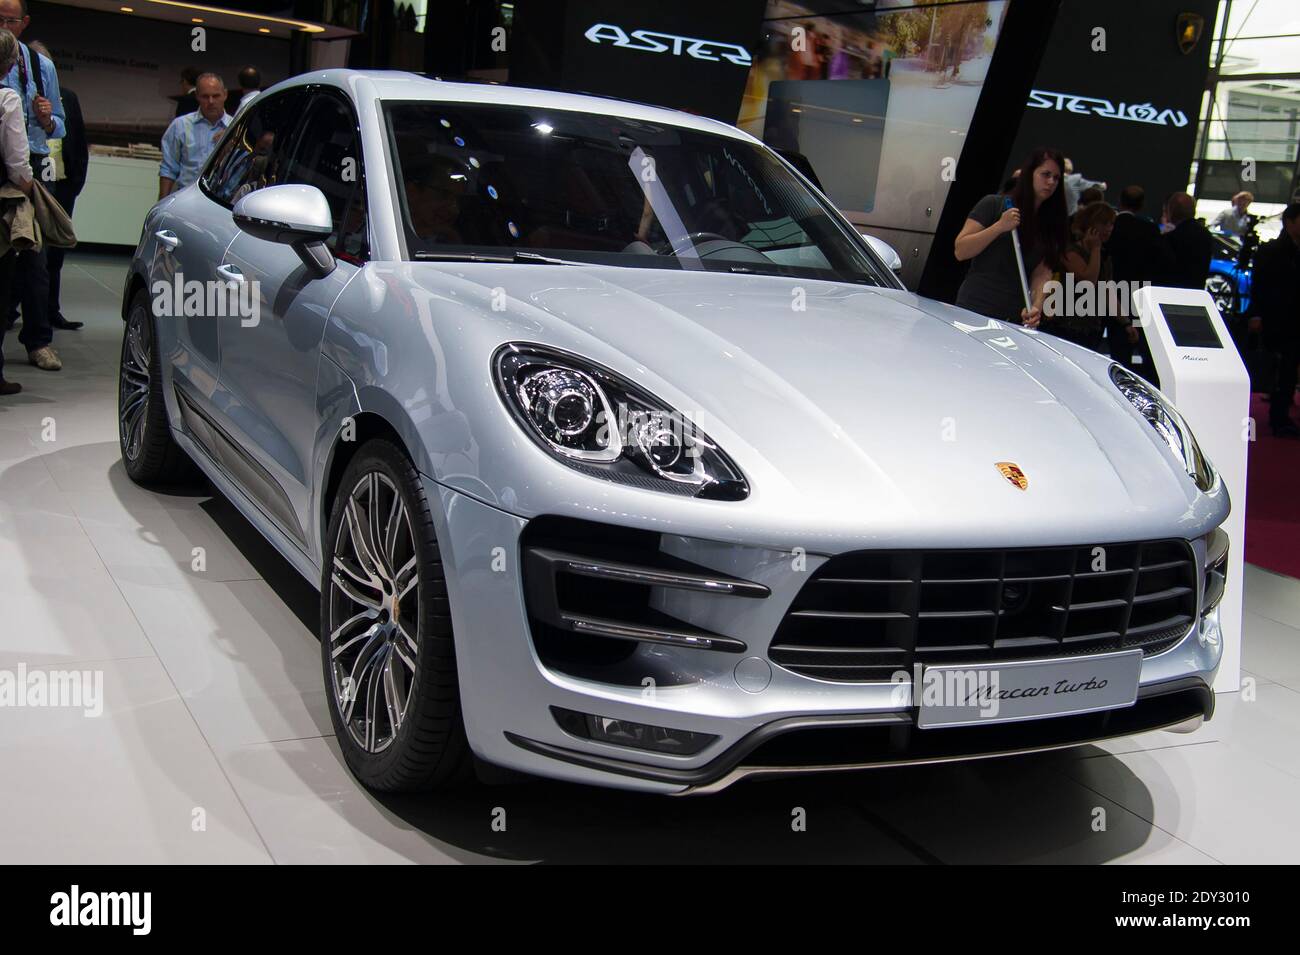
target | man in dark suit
[
  {"x": 250, "y": 84},
  {"x": 1188, "y": 244},
  {"x": 187, "y": 102},
  {"x": 1133, "y": 245},
  {"x": 76, "y": 161},
  {"x": 1136, "y": 255},
  {"x": 1275, "y": 303}
]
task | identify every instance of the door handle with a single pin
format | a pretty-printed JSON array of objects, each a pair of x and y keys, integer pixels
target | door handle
[
  {"x": 168, "y": 240},
  {"x": 230, "y": 273}
]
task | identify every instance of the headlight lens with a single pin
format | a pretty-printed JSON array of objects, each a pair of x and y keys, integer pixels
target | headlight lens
[
  {"x": 1169, "y": 424},
  {"x": 602, "y": 424}
]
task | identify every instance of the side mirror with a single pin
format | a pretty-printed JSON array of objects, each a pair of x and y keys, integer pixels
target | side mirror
[
  {"x": 886, "y": 252},
  {"x": 294, "y": 215}
]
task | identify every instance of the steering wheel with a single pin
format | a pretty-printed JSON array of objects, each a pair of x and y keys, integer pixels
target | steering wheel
[
  {"x": 684, "y": 243},
  {"x": 688, "y": 240}
]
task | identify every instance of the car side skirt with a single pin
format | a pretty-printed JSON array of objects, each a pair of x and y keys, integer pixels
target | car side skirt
[{"x": 254, "y": 514}]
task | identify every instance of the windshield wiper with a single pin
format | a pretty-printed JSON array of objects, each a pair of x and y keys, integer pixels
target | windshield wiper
[
  {"x": 528, "y": 258},
  {"x": 543, "y": 259}
]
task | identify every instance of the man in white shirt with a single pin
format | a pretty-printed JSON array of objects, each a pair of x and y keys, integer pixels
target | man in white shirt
[
  {"x": 1234, "y": 219},
  {"x": 190, "y": 139},
  {"x": 1074, "y": 184}
]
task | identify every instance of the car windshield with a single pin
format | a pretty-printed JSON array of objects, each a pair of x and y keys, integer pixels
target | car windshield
[
  {"x": 1226, "y": 244},
  {"x": 526, "y": 184}
]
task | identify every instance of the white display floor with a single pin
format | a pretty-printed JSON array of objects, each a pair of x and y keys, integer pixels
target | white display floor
[{"x": 214, "y": 744}]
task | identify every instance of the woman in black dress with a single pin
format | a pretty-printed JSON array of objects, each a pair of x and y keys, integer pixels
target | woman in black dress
[{"x": 1034, "y": 209}]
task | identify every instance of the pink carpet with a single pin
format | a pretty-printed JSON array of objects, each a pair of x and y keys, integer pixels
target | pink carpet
[{"x": 1272, "y": 497}]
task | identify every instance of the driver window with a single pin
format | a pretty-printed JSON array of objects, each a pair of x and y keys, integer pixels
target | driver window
[
  {"x": 252, "y": 156},
  {"x": 328, "y": 156}
]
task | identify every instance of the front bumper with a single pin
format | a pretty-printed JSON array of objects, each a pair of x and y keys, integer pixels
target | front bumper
[{"x": 767, "y": 720}]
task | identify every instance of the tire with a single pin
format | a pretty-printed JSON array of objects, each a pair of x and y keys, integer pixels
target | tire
[
  {"x": 393, "y": 695},
  {"x": 149, "y": 452},
  {"x": 1224, "y": 292}
]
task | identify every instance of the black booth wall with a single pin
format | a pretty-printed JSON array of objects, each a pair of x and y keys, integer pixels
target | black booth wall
[
  {"x": 551, "y": 50},
  {"x": 1142, "y": 71},
  {"x": 984, "y": 157}
]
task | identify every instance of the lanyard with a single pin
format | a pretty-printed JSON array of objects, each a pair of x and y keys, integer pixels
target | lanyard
[{"x": 22, "y": 83}]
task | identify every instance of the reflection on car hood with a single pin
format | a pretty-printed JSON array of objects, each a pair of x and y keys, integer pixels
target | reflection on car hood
[{"x": 869, "y": 403}]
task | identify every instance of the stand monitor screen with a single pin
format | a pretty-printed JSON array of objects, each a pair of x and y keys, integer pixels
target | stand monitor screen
[{"x": 1191, "y": 326}]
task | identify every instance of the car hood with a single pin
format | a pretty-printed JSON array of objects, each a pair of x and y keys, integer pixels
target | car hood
[{"x": 868, "y": 408}]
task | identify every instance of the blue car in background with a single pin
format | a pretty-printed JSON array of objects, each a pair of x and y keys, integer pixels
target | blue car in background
[{"x": 1230, "y": 273}]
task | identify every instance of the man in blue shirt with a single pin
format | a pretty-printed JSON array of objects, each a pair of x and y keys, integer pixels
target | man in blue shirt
[
  {"x": 36, "y": 82},
  {"x": 190, "y": 139}
]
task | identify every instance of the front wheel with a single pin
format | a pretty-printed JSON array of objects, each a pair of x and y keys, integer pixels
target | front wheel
[
  {"x": 386, "y": 638},
  {"x": 1224, "y": 292}
]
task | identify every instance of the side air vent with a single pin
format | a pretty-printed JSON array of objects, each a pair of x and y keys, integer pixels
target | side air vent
[{"x": 590, "y": 590}]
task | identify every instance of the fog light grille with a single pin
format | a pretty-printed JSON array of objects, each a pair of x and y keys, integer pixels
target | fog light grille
[{"x": 656, "y": 739}]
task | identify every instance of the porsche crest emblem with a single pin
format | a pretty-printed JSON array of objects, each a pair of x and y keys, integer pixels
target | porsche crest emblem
[
  {"x": 1013, "y": 474},
  {"x": 1189, "y": 27}
]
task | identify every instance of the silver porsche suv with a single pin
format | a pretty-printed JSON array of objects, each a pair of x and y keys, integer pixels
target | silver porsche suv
[{"x": 619, "y": 456}]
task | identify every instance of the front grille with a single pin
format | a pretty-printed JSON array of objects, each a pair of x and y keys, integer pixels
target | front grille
[{"x": 866, "y": 615}]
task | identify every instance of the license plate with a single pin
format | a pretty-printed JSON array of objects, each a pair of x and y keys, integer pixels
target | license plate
[{"x": 964, "y": 695}]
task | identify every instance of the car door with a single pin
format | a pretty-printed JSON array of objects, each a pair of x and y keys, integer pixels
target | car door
[
  {"x": 193, "y": 232},
  {"x": 269, "y": 361}
]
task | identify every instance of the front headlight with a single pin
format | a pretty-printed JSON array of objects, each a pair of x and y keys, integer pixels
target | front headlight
[
  {"x": 603, "y": 425},
  {"x": 1169, "y": 424}
]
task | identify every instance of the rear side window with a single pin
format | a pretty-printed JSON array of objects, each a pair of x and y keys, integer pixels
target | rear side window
[{"x": 253, "y": 155}]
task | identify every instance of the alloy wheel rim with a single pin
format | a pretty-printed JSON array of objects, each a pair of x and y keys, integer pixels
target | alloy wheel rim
[
  {"x": 374, "y": 613},
  {"x": 1221, "y": 292},
  {"x": 133, "y": 384}
]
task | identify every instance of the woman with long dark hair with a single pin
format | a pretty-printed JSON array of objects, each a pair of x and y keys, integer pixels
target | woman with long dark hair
[
  {"x": 1034, "y": 209},
  {"x": 1087, "y": 260}
]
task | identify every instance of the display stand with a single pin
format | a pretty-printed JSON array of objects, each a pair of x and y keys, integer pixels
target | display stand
[{"x": 1202, "y": 373}]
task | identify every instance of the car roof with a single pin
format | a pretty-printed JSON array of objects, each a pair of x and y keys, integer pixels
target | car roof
[{"x": 399, "y": 85}]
